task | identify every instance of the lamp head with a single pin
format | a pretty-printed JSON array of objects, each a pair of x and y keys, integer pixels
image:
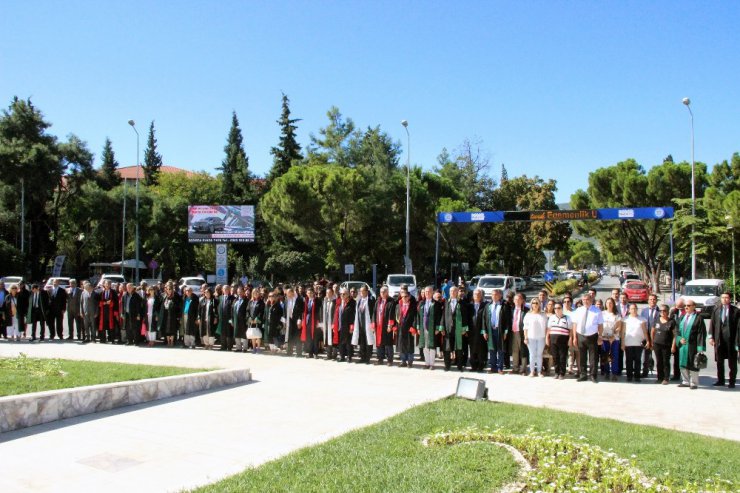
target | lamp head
[
  {"x": 132, "y": 123},
  {"x": 686, "y": 101},
  {"x": 405, "y": 123}
]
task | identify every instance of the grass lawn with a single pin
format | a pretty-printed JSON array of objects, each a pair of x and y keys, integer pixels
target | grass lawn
[
  {"x": 390, "y": 457},
  {"x": 22, "y": 375}
]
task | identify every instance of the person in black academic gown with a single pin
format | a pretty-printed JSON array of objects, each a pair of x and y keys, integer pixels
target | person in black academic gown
[
  {"x": 345, "y": 320},
  {"x": 385, "y": 326},
  {"x": 405, "y": 323},
  {"x": 273, "y": 321},
  {"x": 476, "y": 321}
]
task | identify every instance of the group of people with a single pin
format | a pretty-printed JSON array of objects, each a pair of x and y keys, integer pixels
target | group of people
[{"x": 542, "y": 336}]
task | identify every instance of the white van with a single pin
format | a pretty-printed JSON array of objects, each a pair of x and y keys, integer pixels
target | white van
[
  {"x": 704, "y": 293},
  {"x": 488, "y": 283},
  {"x": 394, "y": 282}
]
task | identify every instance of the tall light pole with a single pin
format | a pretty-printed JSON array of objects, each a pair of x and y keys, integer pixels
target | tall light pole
[
  {"x": 138, "y": 167},
  {"x": 23, "y": 218},
  {"x": 407, "y": 258},
  {"x": 731, "y": 227},
  {"x": 687, "y": 102}
]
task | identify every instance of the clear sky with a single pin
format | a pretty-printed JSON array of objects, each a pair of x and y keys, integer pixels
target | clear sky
[{"x": 551, "y": 88}]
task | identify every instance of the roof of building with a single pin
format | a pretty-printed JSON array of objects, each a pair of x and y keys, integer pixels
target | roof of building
[{"x": 129, "y": 172}]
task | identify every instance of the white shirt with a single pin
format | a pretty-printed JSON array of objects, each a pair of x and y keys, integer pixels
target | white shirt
[
  {"x": 633, "y": 335},
  {"x": 592, "y": 320},
  {"x": 535, "y": 325}
]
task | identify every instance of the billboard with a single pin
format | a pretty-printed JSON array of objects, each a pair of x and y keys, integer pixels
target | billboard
[{"x": 221, "y": 223}]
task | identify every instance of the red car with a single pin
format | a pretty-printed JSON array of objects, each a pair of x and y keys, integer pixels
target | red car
[{"x": 637, "y": 291}]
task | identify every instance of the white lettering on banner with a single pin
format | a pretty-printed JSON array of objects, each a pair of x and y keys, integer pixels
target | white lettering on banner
[
  {"x": 477, "y": 216},
  {"x": 626, "y": 213}
]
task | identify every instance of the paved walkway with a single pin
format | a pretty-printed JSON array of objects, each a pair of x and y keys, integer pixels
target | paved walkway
[{"x": 293, "y": 403}]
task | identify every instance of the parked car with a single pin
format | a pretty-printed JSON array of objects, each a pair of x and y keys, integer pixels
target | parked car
[
  {"x": 63, "y": 282},
  {"x": 357, "y": 285},
  {"x": 151, "y": 282},
  {"x": 113, "y": 278},
  {"x": 521, "y": 284},
  {"x": 537, "y": 280},
  {"x": 636, "y": 291},
  {"x": 11, "y": 281},
  {"x": 488, "y": 283},
  {"x": 394, "y": 282},
  {"x": 209, "y": 224},
  {"x": 629, "y": 277},
  {"x": 704, "y": 293},
  {"x": 194, "y": 282}
]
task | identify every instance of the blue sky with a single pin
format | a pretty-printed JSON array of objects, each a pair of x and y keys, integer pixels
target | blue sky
[{"x": 555, "y": 89}]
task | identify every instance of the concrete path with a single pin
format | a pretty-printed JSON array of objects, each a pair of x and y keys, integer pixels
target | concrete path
[{"x": 293, "y": 403}]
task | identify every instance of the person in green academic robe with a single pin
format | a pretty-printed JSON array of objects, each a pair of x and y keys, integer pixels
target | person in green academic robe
[
  {"x": 429, "y": 321},
  {"x": 690, "y": 340}
]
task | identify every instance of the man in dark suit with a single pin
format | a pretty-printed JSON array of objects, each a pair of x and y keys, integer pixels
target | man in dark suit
[
  {"x": 132, "y": 307},
  {"x": 651, "y": 315},
  {"x": 24, "y": 296},
  {"x": 225, "y": 328},
  {"x": 74, "y": 316},
  {"x": 723, "y": 336},
  {"x": 57, "y": 307},
  {"x": 39, "y": 309}
]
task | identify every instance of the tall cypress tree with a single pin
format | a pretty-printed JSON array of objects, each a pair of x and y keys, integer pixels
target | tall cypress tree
[
  {"x": 504, "y": 174},
  {"x": 109, "y": 177},
  {"x": 152, "y": 159},
  {"x": 288, "y": 150},
  {"x": 236, "y": 183}
]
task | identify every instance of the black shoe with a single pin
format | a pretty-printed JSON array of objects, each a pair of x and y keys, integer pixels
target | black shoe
[
  {"x": 582, "y": 379},
  {"x": 718, "y": 383},
  {"x": 629, "y": 379},
  {"x": 731, "y": 386},
  {"x": 70, "y": 338},
  {"x": 637, "y": 380}
]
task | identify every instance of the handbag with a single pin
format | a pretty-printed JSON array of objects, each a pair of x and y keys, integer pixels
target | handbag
[
  {"x": 700, "y": 361},
  {"x": 254, "y": 333}
]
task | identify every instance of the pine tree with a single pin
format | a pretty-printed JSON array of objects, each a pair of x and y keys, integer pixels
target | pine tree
[
  {"x": 504, "y": 174},
  {"x": 152, "y": 159},
  {"x": 237, "y": 186},
  {"x": 288, "y": 150},
  {"x": 109, "y": 177}
]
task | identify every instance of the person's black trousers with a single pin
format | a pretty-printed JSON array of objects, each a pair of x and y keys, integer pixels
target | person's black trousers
[
  {"x": 731, "y": 362},
  {"x": 559, "y": 349},
  {"x": 588, "y": 351},
  {"x": 59, "y": 325},
  {"x": 662, "y": 361},
  {"x": 633, "y": 361}
]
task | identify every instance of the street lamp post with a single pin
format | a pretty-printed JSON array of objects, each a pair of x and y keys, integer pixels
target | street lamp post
[
  {"x": 687, "y": 102},
  {"x": 138, "y": 167},
  {"x": 731, "y": 227},
  {"x": 407, "y": 258}
]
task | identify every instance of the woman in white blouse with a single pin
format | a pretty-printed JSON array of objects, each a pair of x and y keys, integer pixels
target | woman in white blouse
[
  {"x": 611, "y": 337},
  {"x": 634, "y": 338},
  {"x": 535, "y": 329}
]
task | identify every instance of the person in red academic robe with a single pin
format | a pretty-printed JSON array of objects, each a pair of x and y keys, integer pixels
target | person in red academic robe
[
  {"x": 310, "y": 333},
  {"x": 384, "y": 325},
  {"x": 107, "y": 313}
]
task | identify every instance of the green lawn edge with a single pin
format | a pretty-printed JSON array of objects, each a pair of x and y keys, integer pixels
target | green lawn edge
[
  {"x": 389, "y": 456},
  {"x": 23, "y": 375}
]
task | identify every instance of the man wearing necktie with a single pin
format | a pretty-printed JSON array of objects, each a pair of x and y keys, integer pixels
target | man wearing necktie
[
  {"x": 430, "y": 324},
  {"x": 724, "y": 337},
  {"x": 74, "y": 316},
  {"x": 57, "y": 307},
  {"x": 38, "y": 307},
  {"x": 651, "y": 314},
  {"x": 495, "y": 334},
  {"x": 456, "y": 331}
]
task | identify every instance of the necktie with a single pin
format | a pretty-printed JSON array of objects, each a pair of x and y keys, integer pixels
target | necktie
[
  {"x": 36, "y": 300},
  {"x": 516, "y": 320}
]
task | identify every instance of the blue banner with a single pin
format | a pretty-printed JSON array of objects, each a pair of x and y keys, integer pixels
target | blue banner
[{"x": 624, "y": 213}]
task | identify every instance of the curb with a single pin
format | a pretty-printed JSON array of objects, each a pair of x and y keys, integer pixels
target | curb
[{"x": 25, "y": 410}]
